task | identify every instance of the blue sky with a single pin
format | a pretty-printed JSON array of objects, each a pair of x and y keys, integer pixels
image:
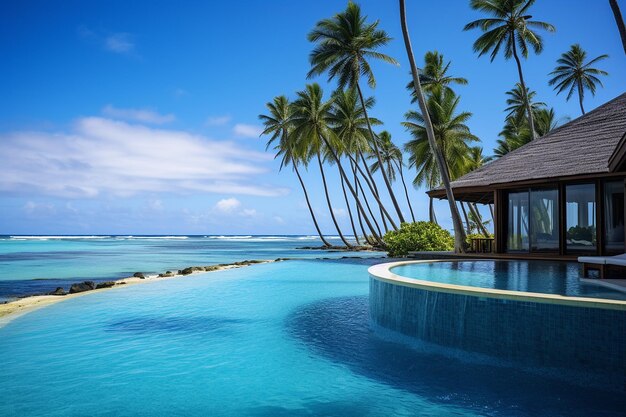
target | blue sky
[{"x": 141, "y": 117}]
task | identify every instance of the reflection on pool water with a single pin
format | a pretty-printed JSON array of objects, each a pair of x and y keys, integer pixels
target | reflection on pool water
[
  {"x": 561, "y": 278},
  {"x": 282, "y": 339}
]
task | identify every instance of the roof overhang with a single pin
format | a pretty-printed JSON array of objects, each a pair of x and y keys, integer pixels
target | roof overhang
[{"x": 617, "y": 161}]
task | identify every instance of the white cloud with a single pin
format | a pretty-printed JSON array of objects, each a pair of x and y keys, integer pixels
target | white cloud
[
  {"x": 227, "y": 205},
  {"x": 180, "y": 92},
  {"x": 100, "y": 156},
  {"x": 32, "y": 208},
  {"x": 340, "y": 212},
  {"x": 279, "y": 220},
  {"x": 120, "y": 43},
  {"x": 248, "y": 213},
  {"x": 247, "y": 131},
  {"x": 218, "y": 120},
  {"x": 138, "y": 115}
]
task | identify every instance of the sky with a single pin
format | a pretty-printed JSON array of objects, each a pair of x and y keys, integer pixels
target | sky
[{"x": 141, "y": 117}]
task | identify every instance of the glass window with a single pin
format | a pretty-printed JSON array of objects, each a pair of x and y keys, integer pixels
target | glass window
[
  {"x": 544, "y": 220},
  {"x": 517, "y": 231},
  {"x": 580, "y": 214},
  {"x": 614, "y": 216}
]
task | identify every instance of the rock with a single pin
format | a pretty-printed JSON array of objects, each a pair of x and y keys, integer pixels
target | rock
[
  {"x": 167, "y": 274},
  {"x": 106, "y": 284},
  {"x": 58, "y": 291},
  {"x": 212, "y": 268},
  {"x": 139, "y": 275},
  {"x": 190, "y": 269},
  {"x": 82, "y": 287}
]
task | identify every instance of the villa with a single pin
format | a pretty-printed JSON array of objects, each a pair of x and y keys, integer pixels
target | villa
[{"x": 560, "y": 196}]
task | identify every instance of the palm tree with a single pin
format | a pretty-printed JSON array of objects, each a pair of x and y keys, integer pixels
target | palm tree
[
  {"x": 516, "y": 133},
  {"x": 619, "y": 20},
  {"x": 393, "y": 159},
  {"x": 517, "y": 102},
  {"x": 345, "y": 43},
  {"x": 574, "y": 74},
  {"x": 452, "y": 135},
  {"x": 347, "y": 119},
  {"x": 310, "y": 121},
  {"x": 510, "y": 28},
  {"x": 277, "y": 124},
  {"x": 434, "y": 73}
]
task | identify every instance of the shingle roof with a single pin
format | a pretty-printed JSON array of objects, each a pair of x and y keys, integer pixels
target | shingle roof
[{"x": 581, "y": 146}]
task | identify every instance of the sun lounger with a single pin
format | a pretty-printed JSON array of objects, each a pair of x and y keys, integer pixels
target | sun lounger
[{"x": 600, "y": 263}]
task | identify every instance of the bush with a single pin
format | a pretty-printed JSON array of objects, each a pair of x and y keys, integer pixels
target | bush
[{"x": 419, "y": 236}]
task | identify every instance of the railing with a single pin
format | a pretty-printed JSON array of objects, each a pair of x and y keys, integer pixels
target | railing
[{"x": 481, "y": 244}]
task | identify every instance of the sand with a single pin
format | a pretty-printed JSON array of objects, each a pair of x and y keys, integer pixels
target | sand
[{"x": 13, "y": 309}]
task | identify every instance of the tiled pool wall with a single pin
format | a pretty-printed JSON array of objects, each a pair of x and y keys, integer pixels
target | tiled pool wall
[{"x": 528, "y": 333}]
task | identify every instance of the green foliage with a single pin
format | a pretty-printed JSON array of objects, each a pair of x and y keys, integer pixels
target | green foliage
[
  {"x": 581, "y": 233},
  {"x": 418, "y": 236},
  {"x": 471, "y": 236}
]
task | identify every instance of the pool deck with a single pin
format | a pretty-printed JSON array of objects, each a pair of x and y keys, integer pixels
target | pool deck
[{"x": 426, "y": 256}]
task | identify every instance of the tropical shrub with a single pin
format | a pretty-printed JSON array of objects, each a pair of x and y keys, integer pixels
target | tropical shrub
[{"x": 418, "y": 236}]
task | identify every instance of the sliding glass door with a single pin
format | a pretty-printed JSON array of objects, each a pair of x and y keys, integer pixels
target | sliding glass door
[
  {"x": 580, "y": 215},
  {"x": 517, "y": 230},
  {"x": 544, "y": 220},
  {"x": 614, "y": 217}
]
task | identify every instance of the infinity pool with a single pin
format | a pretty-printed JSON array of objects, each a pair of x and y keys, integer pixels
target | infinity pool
[
  {"x": 282, "y": 339},
  {"x": 561, "y": 278}
]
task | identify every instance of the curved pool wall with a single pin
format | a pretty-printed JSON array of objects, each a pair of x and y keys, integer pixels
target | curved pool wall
[{"x": 582, "y": 335}]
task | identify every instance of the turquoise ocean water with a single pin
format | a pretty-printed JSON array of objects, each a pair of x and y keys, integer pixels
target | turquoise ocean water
[
  {"x": 281, "y": 339},
  {"x": 37, "y": 264}
]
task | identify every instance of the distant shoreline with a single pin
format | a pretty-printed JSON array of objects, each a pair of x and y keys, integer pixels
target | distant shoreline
[{"x": 17, "y": 308}]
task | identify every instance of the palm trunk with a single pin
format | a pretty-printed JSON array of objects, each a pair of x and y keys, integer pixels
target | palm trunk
[
  {"x": 459, "y": 234},
  {"x": 620, "y": 22},
  {"x": 372, "y": 187},
  {"x": 380, "y": 160},
  {"x": 358, "y": 213},
  {"x": 529, "y": 112},
  {"x": 358, "y": 203},
  {"x": 468, "y": 226},
  {"x": 308, "y": 203},
  {"x": 580, "y": 96},
  {"x": 345, "y": 196},
  {"x": 493, "y": 218},
  {"x": 367, "y": 204},
  {"x": 406, "y": 191},
  {"x": 330, "y": 206},
  {"x": 431, "y": 211},
  {"x": 479, "y": 221}
]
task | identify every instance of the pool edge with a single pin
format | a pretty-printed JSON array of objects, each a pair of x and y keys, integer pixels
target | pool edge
[{"x": 382, "y": 272}]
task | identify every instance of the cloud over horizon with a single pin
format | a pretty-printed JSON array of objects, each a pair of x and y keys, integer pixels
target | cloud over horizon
[{"x": 100, "y": 156}]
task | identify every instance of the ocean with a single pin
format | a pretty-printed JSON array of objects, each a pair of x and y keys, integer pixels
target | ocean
[{"x": 38, "y": 264}]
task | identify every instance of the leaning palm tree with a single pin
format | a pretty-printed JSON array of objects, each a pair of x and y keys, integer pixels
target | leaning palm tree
[
  {"x": 393, "y": 160},
  {"x": 277, "y": 125},
  {"x": 434, "y": 73},
  {"x": 619, "y": 20},
  {"x": 347, "y": 119},
  {"x": 310, "y": 120},
  {"x": 508, "y": 29},
  {"x": 573, "y": 74},
  {"x": 459, "y": 233},
  {"x": 517, "y": 100},
  {"x": 344, "y": 45}
]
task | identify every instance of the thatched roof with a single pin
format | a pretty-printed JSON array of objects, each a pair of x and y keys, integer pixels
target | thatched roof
[{"x": 579, "y": 147}]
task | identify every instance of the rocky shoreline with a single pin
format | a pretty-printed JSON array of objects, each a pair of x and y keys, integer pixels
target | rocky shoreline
[{"x": 22, "y": 305}]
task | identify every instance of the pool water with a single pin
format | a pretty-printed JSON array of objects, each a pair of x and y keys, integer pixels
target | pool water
[
  {"x": 561, "y": 278},
  {"x": 289, "y": 338}
]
